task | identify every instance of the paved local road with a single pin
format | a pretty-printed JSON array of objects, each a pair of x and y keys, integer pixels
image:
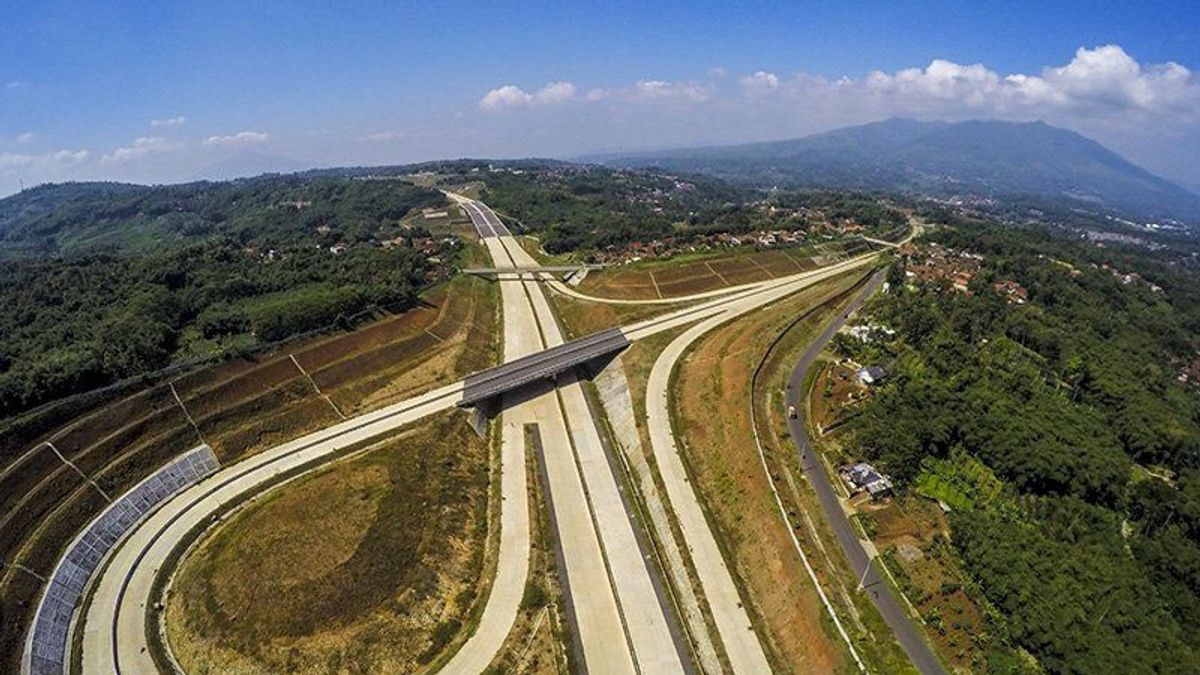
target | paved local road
[{"x": 907, "y": 633}]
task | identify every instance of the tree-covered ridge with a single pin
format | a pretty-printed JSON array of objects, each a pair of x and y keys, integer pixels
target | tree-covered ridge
[
  {"x": 590, "y": 207},
  {"x": 264, "y": 211},
  {"x": 1073, "y": 399},
  {"x": 194, "y": 271}
]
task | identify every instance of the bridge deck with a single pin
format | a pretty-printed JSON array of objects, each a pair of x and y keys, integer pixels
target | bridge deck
[
  {"x": 530, "y": 269},
  {"x": 495, "y": 381}
]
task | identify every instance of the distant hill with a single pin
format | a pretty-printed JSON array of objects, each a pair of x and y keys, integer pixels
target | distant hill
[
  {"x": 984, "y": 158},
  {"x": 72, "y": 218}
]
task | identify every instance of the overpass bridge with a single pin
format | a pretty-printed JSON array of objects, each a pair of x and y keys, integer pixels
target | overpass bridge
[
  {"x": 543, "y": 365},
  {"x": 530, "y": 269}
]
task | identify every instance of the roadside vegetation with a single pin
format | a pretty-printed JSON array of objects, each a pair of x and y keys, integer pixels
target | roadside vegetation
[{"x": 1062, "y": 435}]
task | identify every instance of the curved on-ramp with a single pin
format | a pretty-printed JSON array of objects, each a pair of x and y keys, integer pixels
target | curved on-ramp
[{"x": 733, "y": 624}]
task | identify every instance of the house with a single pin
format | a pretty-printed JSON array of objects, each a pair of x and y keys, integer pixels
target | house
[
  {"x": 871, "y": 375},
  {"x": 1013, "y": 292},
  {"x": 864, "y": 477}
]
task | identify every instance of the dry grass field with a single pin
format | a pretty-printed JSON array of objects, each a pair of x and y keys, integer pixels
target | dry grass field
[
  {"x": 371, "y": 565},
  {"x": 697, "y": 273},
  {"x": 711, "y": 399}
]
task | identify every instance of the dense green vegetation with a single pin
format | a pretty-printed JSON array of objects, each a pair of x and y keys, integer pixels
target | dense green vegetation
[
  {"x": 581, "y": 208},
  {"x": 1073, "y": 401},
  {"x": 188, "y": 271},
  {"x": 577, "y": 208},
  {"x": 87, "y": 217}
]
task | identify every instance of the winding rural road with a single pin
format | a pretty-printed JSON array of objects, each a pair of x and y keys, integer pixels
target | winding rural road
[
  {"x": 622, "y": 619},
  {"x": 907, "y": 633}
]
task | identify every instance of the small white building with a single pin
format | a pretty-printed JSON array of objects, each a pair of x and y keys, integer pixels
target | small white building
[
  {"x": 864, "y": 477},
  {"x": 871, "y": 375}
]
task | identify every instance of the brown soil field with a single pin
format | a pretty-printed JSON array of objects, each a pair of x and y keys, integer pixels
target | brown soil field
[
  {"x": 778, "y": 262},
  {"x": 835, "y": 395},
  {"x": 583, "y": 317},
  {"x": 690, "y": 273},
  {"x": 911, "y": 533},
  {"x": 711, "y": 403},
  {"x": 619, "y": 283},
  {"x": 269, "y": 373},
  {"x": 689, "y": 285},
  {"x": 367, "y": 566},
  {"x": 737, "y": 271}
]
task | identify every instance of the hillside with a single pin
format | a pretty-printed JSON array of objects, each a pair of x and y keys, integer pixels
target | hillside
[
  {"x": 105, "y": 281},
  {"x": 980, "y": 158},
  {"x": 71, "y": 218}
]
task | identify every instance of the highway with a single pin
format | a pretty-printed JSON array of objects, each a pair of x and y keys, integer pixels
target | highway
[
  {"x": 114, "y": 639},
  {"x": 908, "y": 634},
  {"x": 622, "y": 618}
]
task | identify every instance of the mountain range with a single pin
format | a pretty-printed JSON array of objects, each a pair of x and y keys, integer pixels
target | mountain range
[{"x": 986, "y": 158}]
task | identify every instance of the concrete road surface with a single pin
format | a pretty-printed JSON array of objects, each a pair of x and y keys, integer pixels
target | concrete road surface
[
  {"x": 735, "y": 630},
  {"x": 908, "y": 634}
]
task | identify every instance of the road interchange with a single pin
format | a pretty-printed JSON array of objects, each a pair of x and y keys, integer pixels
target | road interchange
[{"x": 622, "y": 620}]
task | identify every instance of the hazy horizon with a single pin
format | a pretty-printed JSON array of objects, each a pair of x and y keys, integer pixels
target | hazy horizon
[{"x": 219, "y": 90}]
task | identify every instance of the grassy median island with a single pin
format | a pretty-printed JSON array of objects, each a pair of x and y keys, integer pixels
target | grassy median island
[{"x": 371, "y": 565}]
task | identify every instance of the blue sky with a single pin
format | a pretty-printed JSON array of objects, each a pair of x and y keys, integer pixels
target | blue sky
[{"x": 243, "y": 87}]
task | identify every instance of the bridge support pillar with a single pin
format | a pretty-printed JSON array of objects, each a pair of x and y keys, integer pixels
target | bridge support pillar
[{"x": 481, "y": 413}]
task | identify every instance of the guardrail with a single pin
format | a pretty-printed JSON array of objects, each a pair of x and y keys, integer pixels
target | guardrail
[{"x": 47, "y": 648}]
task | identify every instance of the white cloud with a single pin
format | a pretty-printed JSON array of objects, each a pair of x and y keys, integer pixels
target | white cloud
[
  {"x": 13, "y": 85},
  {"x": 385, "y": 136},
  {"x": 1102, "y": 80},
  {"x": 10, "y": 161},
  {"x": 146, "y": 145},
  {"x": 690, "y": 91},
  {"x": 760, "y": 81},
  {"x": 240, "y": 138},
  {"x": 24, "y": 138},
  {"x": 175, "y": 121},
  {"x": 512, "y": 96},
  {"x": 555, "y": 92},
  {"x": 508, "y": 96}
]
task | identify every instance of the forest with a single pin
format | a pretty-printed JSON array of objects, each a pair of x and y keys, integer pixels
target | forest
[
  {"x": 587, "y": 207},
  {"x": 102, "y": 283},
  {"x": 1091, "y": 554}
]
